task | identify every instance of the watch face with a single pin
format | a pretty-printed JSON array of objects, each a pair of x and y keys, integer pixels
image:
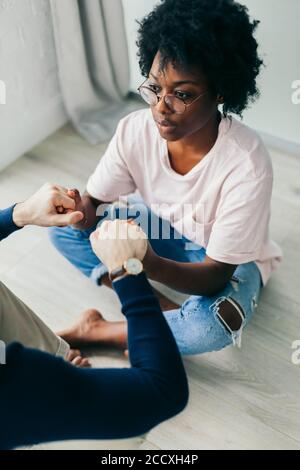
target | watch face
[{"x": 133, "y": 266}]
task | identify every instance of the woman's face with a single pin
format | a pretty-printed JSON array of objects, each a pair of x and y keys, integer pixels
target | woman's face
[{"x": 196, "y": 116}]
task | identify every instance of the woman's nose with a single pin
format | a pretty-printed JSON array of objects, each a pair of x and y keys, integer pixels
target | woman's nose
[{"x": 162, "y": 107}]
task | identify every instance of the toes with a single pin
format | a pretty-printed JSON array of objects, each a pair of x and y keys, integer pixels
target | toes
[
  {"x": 80, "y": 361},
  {"x": 85, "y": 363},
  {"x": 77, "y": 361},
  {"x": 72, "y": 354}
]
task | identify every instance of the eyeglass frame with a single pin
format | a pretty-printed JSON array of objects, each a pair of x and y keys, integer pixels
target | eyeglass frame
[{"x": 169, "y": 94}]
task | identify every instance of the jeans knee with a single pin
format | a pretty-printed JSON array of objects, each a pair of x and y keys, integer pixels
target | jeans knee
[
  {"x": 199, "y": 336},
  {"x": 59, "y": 236},
  {"x": 54, "y": 234},
  {"x": 197, "y": 330},
  {"x": 206, "y": 339}
]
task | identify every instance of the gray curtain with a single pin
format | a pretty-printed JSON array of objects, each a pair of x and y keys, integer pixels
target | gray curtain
[{"x": 93, "y": 64}]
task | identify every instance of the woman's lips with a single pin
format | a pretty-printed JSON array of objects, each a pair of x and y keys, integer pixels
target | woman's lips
[{"x": 166, "y": 126}]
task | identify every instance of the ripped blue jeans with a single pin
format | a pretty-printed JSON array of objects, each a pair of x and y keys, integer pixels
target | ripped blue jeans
[{"x": 197, "y": 325}]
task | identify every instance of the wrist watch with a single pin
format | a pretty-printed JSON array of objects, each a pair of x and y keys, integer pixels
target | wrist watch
[{"x": 132, "y": 266}]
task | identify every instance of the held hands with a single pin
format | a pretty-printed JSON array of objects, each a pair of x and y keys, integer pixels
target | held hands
[
  {"x": 75, "y": 194},
  {"x": 51, "y": 205},
  {"x": 118, "y": 240}
]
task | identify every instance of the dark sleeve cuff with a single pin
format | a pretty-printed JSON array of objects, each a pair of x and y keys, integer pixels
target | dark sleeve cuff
[
  {"x": 131, "y": 288},
  {"x": 7, "y": 225}
]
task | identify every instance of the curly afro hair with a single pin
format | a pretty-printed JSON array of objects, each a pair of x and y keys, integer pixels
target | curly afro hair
[{"x": 213, "y": 35}]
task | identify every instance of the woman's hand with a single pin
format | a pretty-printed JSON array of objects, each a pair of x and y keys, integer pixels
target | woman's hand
[
  {"x": 88, "y": 206},
  {"x": 79, "y": 206}
]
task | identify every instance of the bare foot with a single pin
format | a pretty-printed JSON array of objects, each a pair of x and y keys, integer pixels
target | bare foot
[
  {"x": 91, "y": 328},
  {"x": 74, "y": 357}
]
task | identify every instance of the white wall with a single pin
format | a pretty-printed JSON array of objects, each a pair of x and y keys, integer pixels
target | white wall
[
  {"x": 279, "y": 38},
  {"x": 33, "y": 108},
  {"x": 135, "y": 9}
]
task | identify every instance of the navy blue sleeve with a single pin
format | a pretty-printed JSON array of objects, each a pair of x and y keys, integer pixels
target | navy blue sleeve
[
  {"x": 7, "y": 225},
  {"x": 43, "y": 398}
]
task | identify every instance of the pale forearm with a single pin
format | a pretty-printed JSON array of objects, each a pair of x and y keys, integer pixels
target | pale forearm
[{"x": 21, "y": 217}]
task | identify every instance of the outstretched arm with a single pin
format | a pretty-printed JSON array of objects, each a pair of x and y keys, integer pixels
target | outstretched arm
[{"x": 51, "y": 205}]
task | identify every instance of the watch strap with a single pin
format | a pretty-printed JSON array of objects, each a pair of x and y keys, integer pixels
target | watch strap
[{"x": 117, "y": 272}]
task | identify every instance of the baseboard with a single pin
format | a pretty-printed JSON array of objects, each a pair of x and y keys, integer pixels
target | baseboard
[{"x": 277, "y": 143}]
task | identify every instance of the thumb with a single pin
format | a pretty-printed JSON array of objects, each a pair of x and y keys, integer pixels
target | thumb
[{"x": 70, "y": 218}]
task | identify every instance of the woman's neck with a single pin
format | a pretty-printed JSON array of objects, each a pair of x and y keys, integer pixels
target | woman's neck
[
  {"x": 184, "y": 154},
  {"x": 198, "y": 144}
]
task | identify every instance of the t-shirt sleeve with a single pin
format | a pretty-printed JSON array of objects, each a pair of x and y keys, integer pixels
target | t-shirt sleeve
[
  {"x": 242, "y": 223},
  {"x": 111, "y": 177}
]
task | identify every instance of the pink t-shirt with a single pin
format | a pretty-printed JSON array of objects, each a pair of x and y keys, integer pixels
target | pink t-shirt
[{"x": 222, "y": 203}]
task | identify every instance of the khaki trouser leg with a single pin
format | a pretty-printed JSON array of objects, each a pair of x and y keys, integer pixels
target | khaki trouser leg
[{"x": 19, "y": 323}]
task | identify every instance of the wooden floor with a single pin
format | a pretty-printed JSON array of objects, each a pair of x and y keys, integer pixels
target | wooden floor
[{"x": 239, "y": 399}]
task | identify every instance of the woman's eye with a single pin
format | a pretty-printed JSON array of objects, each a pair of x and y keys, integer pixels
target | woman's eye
[
  {"x": 180, "y": 94},
  {"x": 154, "y": 88},
  {"x": 183, "y": 96}
]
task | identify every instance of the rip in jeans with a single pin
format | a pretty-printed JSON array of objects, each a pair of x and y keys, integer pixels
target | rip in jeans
[{"x": 236, "y": 335}]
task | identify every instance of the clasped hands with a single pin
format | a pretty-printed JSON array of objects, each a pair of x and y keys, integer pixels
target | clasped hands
[{"x": 113, "y": 242}]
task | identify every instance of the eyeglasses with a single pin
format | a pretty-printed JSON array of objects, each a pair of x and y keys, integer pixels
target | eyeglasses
[{"x": 175, "y": 104}]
